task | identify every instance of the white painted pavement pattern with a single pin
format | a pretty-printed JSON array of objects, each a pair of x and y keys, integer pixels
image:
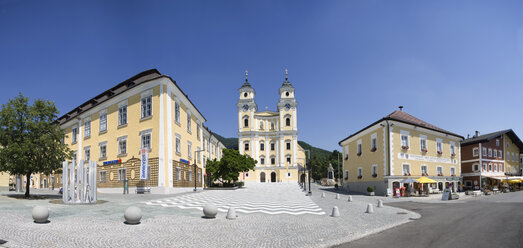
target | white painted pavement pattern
[{"x": 254, "y": 198}]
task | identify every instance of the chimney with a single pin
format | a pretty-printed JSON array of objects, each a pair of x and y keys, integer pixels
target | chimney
[
  {"x": 401, "y": 108},
  {"x": 477, "y": 134}
]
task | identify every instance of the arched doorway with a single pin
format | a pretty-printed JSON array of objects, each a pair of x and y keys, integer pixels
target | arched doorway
[
  {"x": 262, "y": 177},
  {"x": 302, "y": 179},
  {"x": 440, "y": 186},
  {"x": 273, "y": 176}
]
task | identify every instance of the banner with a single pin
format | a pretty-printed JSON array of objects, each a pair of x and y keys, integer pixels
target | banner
[{"x": 144, "y": 164}]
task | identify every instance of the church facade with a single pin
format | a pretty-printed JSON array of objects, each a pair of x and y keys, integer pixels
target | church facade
[{"x": 270, "y": 137}]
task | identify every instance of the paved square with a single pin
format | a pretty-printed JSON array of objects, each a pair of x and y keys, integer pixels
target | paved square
[{"x": 255, "y": 198}]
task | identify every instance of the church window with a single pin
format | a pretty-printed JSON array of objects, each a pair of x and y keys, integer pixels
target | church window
[
  {"x": 262, "y": 146},
  {"x": 245, "y": 121},
  {"x": 287, "y": 93},
  {"x": 288, "y": 121},
  {"x": 245, "y": 94},
  {"x": 246, "y": 146}
]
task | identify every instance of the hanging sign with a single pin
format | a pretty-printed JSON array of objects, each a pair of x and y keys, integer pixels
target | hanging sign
[
  {"x": 144, "y": 164},
  {"x": 113, "y": 161}
]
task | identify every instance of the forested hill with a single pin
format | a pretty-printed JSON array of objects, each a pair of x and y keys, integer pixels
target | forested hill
[{"x": 320, "y": 158}]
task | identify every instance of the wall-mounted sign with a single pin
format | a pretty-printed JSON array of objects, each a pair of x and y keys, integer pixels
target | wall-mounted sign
[
  {"x": 144, "y": 164},
  {"x": 426, "y": 158},
  {"x": 113, "y": 162},
  {"x": 184, "y": 161}
]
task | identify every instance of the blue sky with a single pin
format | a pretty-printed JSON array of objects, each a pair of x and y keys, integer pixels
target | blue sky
[{"x": 455, "y": 64}]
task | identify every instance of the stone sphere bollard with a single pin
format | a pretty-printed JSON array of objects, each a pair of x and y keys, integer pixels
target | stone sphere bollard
[
  {"x": 323, "y": 195},
  {"x": 350, "y": 198},
  {"x": 40, "y": 214},
  {"x": 380, "y": 203},
  {"x": 370, "y": 209},
  {"x": 210, "y": 211},
  {"x": 337, "y": 196},
  {"x": 133, "y": 215},
  {"x": 231, "y": 214},
  {"x": 335, "y": 212}
]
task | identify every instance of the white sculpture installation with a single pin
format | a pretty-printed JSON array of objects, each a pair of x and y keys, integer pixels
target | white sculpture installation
[{"x": 79, "y": 184}]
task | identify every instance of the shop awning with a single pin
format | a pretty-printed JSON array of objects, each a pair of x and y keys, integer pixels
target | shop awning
[
  {"x": 425, "y": 180},
  {"x": 514, "y": 181},
  {"x": 409, "y": 180}
]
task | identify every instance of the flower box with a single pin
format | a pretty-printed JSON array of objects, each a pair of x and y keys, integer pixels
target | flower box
[
  {"x": 406, "y": 174},
  {"x": 404, "y": 147},
  {"x": 440, "y": 175},
  {"x": 425, "y": 174},
  {"x": 440, "y": 152},
  {"x": 453, "y": 154},
  {"x": 453, "y": 175},
  {"x": 360, "y": 177},
  {"x": 424, "y": 150},
  {"x": 346, "y": 156},
  {"x": 359, "y": 154},
  {"x": 374, "y": 175},
  {"x": 373, "y": 149}
]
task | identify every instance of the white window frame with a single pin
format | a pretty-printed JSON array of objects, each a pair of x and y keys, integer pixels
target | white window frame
[
  {"x": 403, "y": 169},
  {"x": 475, "y": 151},
  {"x": 374, "y": 141},
  {"x": 423, "y": 142},
  {"x": 360, "y": 172},
  {"x": 189, "y": 122},
  {"x": 453, "y": 168},
  {"x": 178, "y": 174},
  {"x": 189, "y": 149},
  {"x": 288, "y": 145},
  {"x": 102, "y": 176},
  {"x": 120, "y": 174},
  {"x": 500, "y": 154},
  {"x": 288, "y": 159},
  {"x": 484, "y": 152},
  {"x": 497, "y": 142},
  {"x": 177, "y": 111},
  {"x": 87, "y": 128},
  {"x": 475, "y": 167},
  {"x": 346, "y": 175},
  {"x": 495, "y": 153},
  {"x": 273, "y": 160},
  {"x": 262, "y": 145},
  {"x": 490, "y": 152},
  {"x": 87, "y": 153},
  {"x": 147, "y": 106},
  {"x": 262, "y": 160},
  {"x": 246, "y": 146},
  {"x": 189, "y": 175},
  {"x": 120, "y": 140},
  {"x": 452, "y": 148},
  {"x": 273, "y": 146},
  {"x": 100, "y": 145},
  {"x": 439, "y": 170},
  {"x": 102, "y": 117},
  {"x": 74, "y": 134},
  {"x": 178, "y": 144},
  {"x": 426, "y": 170},
  {"x": 144, "y": 134},
  {"x": 405, "y": 142},
  {"x": 374, "y": 170},
  {"x": 122, "y": 113},
  {"x": 359, "y": 147},
  {"x": 439, "y": 146},
  {"x": 346, "y": 150}
]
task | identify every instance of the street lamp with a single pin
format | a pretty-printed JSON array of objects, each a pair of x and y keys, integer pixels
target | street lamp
[
  {"x": 304, "y": 168},
  {"x": 196, "y": 168}
]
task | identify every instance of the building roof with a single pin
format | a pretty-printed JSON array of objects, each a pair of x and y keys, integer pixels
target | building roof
[
  {"x": 402, "y": 116},
  {"x": 267, "y": 113},
  {"x": 140, "y": 78},
  {"x": 489, "y": 136}
]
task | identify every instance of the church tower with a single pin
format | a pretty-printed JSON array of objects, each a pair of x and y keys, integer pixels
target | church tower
[
  {"x": 270, "y": 137},
  {"x": 288, "y": 123}
]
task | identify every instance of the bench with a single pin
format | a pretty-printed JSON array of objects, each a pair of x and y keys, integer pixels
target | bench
[{"x": 143, "y": 190}]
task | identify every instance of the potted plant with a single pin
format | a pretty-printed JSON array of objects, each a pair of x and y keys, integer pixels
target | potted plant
[
  {"x": 424, "y": 150},
  {"x": 453, "y": 154},
  {"x": 359, "y": 154},
  {"x": 373, "y": 149},
  {"x": 440, "y": 152},
  {"x": 404, "y": 147},
  {"x": 374, "y": 175},
  {"x": 370, "y": 191},
  {"x": 346, "y": 156},
  {"x": 360, "y": 177}
]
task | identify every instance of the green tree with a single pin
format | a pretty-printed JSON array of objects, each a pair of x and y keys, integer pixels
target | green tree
[
  {"x": 30, "y": 140},
  {"x": 228, "y": 169}
]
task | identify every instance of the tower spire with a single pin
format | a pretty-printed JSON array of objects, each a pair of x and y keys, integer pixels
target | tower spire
[
  {"x": 286, "y": 74},
  {"x": 246, "y": 75}
]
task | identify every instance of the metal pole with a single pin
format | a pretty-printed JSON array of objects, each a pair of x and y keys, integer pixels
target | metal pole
[{"x": 339, "y": 180}]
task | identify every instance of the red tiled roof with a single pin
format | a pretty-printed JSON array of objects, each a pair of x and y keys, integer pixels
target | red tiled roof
[{"x": 402, "y": 116}]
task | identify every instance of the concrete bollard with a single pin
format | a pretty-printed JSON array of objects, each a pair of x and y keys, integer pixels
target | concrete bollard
[
  {"x": 335, "y": 212},
  {"x": 210, "y": 211},
  {"x": 337, "y": 196},
  {"x": 40, "y": 214},
  {"x": 323, "y": 195},
  {"x": 370, "y": 209},
  {"x": 380, "y": 203},
  {"x": 350, "y": 198},
  {"x": 231, "y": 214},
  {"x": 132, "y": 215}
]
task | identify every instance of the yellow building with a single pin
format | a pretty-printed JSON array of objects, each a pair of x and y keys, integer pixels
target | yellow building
[
  {"x": 270, "y": 137},
  {"x": 397, "y": 147},
  {"x": 148, "y": 111}
]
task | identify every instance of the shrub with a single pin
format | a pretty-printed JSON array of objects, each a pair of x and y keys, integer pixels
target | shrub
[
  {"x": 370, "y": 189},
  {"x": 240, "y": 184}
]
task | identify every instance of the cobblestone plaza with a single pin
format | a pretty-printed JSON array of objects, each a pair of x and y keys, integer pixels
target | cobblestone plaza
[{"x": 263, "y": 225}]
